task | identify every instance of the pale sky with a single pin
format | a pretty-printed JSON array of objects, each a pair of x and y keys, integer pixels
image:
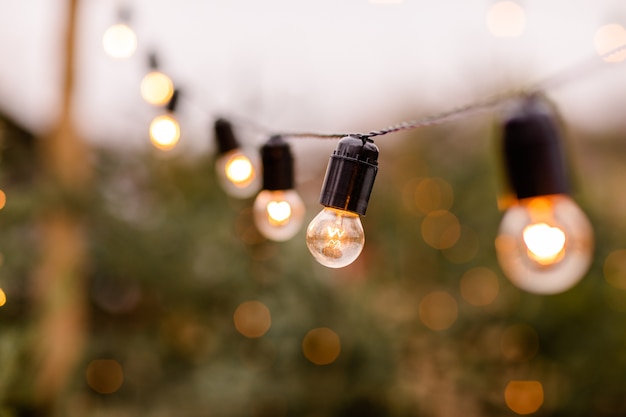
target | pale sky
[{"x": 302, "y": 65}]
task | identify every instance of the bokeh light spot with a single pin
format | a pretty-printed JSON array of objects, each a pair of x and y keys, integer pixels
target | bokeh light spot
[
  {"x": 615, "y": 269},
  {"x": 506, "y": 19},
  {"x": 438, "y": 310},
  {"x": 519, "y": 342},
  {"x": 3, "y": 297},
  {"x": 465, "y": 249},
  {"x": 479, "y": 286},
  {"x": 321, "y": 346},
  {"x": 164, "y": 132},
  {"x": 157, "y": 88},
  {"x": 433, "y": 194},
  {"x": 3, "y": 199},
  {"x": 252, "y": 319},
  {"x": 105, "y": 376},
  {"x": 609, "y": 38},
  {"x": 119, "y": 41},
  {"x": 441, "y": 229},
  {"x": 524, "y": 397}
]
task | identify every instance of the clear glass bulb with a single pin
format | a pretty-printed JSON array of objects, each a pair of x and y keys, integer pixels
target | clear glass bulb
[
  {"x": 545, "y": 244},
  {"x": 237, "y": 173},
  {"x": 119, "y": 41},
  {"x": 164, "y": 132},
  {"x": 278, "y": 214},
  {"x": 335, "y": 237}
]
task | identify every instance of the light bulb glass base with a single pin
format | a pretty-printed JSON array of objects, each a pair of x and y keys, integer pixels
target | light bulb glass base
[
  {"x": 545, "y": 244},
  {"x": 278, "y": 214},
  {"x": 335, "y": 237},
  {"x": 237, "y": 173}
]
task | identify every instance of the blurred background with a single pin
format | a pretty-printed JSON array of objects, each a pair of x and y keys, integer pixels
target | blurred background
[{"x": 132, "y": 284}]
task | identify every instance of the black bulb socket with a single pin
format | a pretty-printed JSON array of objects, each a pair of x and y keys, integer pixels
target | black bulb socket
[
  {"x": 350, "y": 175},
  {"x": 533, "y": 155},
  {"x": 173, "y": 102},
  {"x": 224, "y": 136},
  {"x": 277, "y": 165}
]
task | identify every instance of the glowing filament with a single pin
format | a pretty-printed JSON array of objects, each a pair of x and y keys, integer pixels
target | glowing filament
[
  {"x": 164, "y": 132},
  {"x": 239, "y": 171},
  {"x": 334, "y": 235},
  {"x": 278, "y": 212},
  {"x": 545, "y": 243}
]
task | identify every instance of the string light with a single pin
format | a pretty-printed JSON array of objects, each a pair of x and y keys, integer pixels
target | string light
[
  {"x": 235, "y": 168},
  {"x": 544, "y": 243},
  {"x": 278, "y": 209},
  {"x": 335, "y": 236},
  {"x": 119, "y": 40},
  {"x": 164, "y": 129},
  {"x": 156, "y": 87}
]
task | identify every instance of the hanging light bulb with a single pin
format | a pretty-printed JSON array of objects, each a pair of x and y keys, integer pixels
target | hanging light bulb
[
  {"x": 278, "y": 209},
  {"x": 119, "y": 40},
  {"x": 156, "y": 87},
  {"x": 235, "y": 168},
  {"x": 545, "y": 241},
  {"x": 164, "y": 129},
  {"x": 335, "y": 236}
]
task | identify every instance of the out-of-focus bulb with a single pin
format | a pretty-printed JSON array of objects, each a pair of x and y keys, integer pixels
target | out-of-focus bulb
[
  {"x": 545, "y": 241},
  {"x": 164, "y": 132},
  {"x": 119, "y": 41},
  {"x": 157, "y": 88},
  {"x": 278, "y": 214},
  {"x": 237, "y": 173},
  {"x": 545, "y": 244},
  {"x": 335, "y": 237}
]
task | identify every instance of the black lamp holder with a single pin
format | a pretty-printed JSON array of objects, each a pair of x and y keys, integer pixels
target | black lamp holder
[
  {"x": 224, "y": 136},
  {"x": 277, "y": 164}
]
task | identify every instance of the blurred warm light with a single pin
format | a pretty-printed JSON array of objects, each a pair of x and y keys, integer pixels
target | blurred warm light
[
  {"x": 252, "y": 319},
  {"x": 3, "y": 199},
  {"x": 438, "y": 310},
  {"x": 519, "y": 342},
  {"x": 321, "y": 346},
  {"x": 609, "y": 38},
  {"x": 119, "y": 41},
  {"x": 441, "y": 229},
  {"x": 479, "y": 286},
  {"x": 164, "y": 132},
  {"x": 105, "y": 376},
  {"x": 433, "y": 194},
  {"x": 524, "y": 397},
  {"x": 615, "y": 269},
  {"x": 506, "y": 19},
  {"x": 3, "y": 297},
  {"x": 465, "y": 249},
  {"x": 239, "y": 170},
  {"x": 157, "y": 88},
  {"x": 545, "y": 243}
]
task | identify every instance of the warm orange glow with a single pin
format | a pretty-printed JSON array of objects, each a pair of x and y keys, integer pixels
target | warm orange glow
[
  {"x": 239, "y": 170},
  {"x": 3, "y": 199},
  {"x": 321, "y": 346},
  {"x": 278, "y": 212},
  {"x": 252, "y": 319},
  {"x": 164, "y": 132},
  {"x": 608, "y": 38},
  {"x": 433, "y": 194},
  {"x": 524, "y": 397},
  {"x": 441, "y": 229},
  {"x": 519, "y": 343},
  {"x": 465, "y": 249},
  {"x": 105, "y": 376},
  {"x": 3, "y": 297},
  {"x": 438, "y": 310},
  {"x": 479, "y": 286},
  {"x": 119, "y": 41},
  {"x": 506, "y": 19},
  {"x": 545, "y": 243},
  {"x": 615, "y": 269},
  {"x": 157, "y": 88}
]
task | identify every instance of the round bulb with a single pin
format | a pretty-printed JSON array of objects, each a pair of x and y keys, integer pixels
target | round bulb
[
  {"x": 119, "y": 41},
  {"x": 545, "y": 244},
  {"x": 278, "y": 214},
  {"x": 157, "y": 88},
  {"x": 164, "y": 132},
  {"x": 237, "y": 174},
  {"x": 335, "y": 237}
]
